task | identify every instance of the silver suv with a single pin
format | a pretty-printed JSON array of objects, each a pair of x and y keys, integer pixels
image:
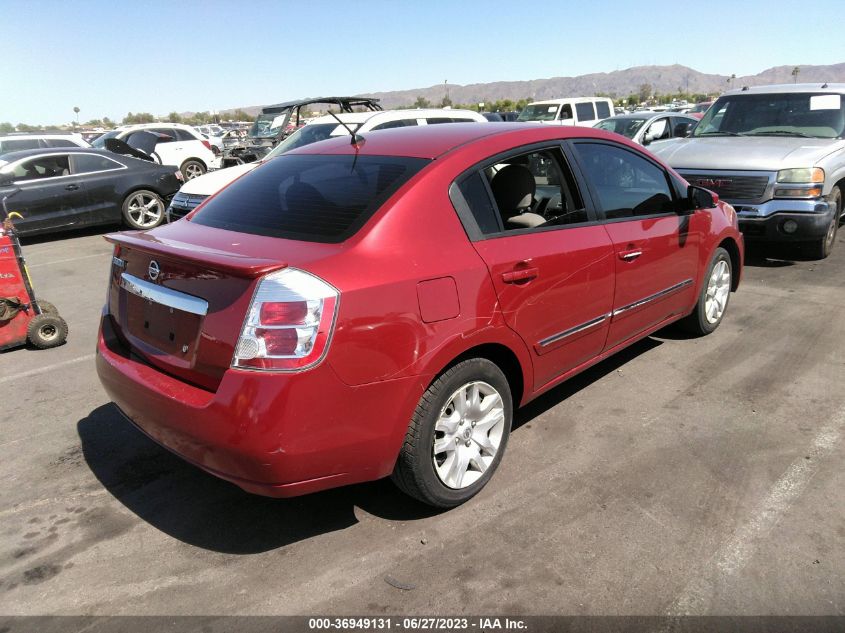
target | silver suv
[{"x": 777, "y": 154}]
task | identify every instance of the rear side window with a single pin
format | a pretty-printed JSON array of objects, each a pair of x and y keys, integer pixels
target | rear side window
[
  {"x": 59, "y": 142},
  {"x": 585, "y": 111},
  {"x": 324, "y": 198},
  {"x": 87, "y": 163},
  {"x": 392, "y": 124},
  {"x": 602, "y": 109},
  {"x": 16, "y": 144},
  {"x": 184, "y": 135}
]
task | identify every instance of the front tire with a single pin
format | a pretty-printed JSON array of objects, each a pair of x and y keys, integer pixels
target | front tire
[
  {"x": 457, "y": 435},
  {"x": 714, "y": 296},
  {"x": 192, "y": 169},
  {"x": 143, "y": 209},
  {"x": 822, "y": 248}
]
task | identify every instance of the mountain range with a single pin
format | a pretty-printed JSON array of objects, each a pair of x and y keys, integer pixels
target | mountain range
[{"x": 619, "y": 83}]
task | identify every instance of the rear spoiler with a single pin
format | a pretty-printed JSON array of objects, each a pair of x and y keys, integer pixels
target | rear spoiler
[{"x": 225, "y": 261}]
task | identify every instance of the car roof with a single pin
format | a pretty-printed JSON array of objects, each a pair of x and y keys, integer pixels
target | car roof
[
  {"x": 348, "y": 100},
  {"x": 10, "y": 157},
  {"x": 390, "y": 115},
  {"x": 568, "y": 100},
  {"x": 142, "y": 126},
  {"x": 832, "y": 88},
  {"x": 432, "y": 141}
]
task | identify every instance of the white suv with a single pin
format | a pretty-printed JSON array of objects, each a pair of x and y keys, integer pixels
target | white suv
[
  {"x": 181, "y": 146},
  {"x": 16, "y": 142},
  {"x": 319, "y": 129}
]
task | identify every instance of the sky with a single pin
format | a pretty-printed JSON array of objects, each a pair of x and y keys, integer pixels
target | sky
[{"x": 110, "y": 57}]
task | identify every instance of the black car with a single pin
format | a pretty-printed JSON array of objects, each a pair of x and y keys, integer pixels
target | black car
[{"x": 70, "y": 188}]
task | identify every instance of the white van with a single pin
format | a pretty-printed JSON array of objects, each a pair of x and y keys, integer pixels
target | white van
[{"x": 583, "y": 111}]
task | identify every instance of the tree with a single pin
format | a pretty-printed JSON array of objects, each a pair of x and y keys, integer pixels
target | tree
[
  {"x": 795, "y": 72},
  {"x": 107, "y": 122},
  {"x": 94, "y": 123},
  {"x": 644, "y": 92},
  {"x": 422, "y": 102},
  {"x": 23, "y": 127},
  {"x": 6, "y": 127},
  {"x": 76, "y": 112},
  {"x": 240, "y": 115},
  {"x": 446, "y": 103},
  {"x": 174, "y": 117}
]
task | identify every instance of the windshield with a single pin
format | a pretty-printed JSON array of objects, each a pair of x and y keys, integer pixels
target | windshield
[
  {"x": 310, "y": 134},
  {"x": 269, "y": 125},
  {"x": 801, "y": 115},
  {"x": 539, "y": 112},
  {"x": 625, "y": 127},
  {"x": 100, "y": 141}
]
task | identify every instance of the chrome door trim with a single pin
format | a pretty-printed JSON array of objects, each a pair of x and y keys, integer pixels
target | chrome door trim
[
  {"x": 163, "y": 296},
  {"x": 655, "y": 296},
  {"x": 554, "y": 338}
]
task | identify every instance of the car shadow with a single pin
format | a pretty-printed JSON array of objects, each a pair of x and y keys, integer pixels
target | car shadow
[
  {"x": 201, "y": 510},
  {"x": 41, "y": 238}
]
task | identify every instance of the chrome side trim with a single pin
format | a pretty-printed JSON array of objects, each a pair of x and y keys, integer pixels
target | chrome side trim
[
  {"x": 554, "y": 338},
  {"x": 655, "y": 296},
  {"x": 163, "y": 296}
]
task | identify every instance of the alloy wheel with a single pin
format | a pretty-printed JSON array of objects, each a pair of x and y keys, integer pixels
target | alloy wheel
[
  {"x": 192, "y": 170},
  {"x": 146, "y": 210},
  {"x": 468, "y": 434},
  {"x": 718, "y": 289}
]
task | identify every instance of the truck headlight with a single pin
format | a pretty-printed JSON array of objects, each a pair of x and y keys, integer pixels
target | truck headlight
[{"x": 801, "y": 176}]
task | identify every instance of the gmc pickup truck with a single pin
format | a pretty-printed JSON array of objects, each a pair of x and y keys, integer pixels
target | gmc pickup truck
[{"x": 777, "y": 154}]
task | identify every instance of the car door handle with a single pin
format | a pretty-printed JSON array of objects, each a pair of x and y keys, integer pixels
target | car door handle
[
  {"x": 523, "y": 274},
  {"x": 630, "y": 256},
  {"x": 72, "y": 187}
]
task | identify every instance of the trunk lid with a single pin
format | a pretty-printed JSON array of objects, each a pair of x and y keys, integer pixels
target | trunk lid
[{"x": 178, "y": 294}]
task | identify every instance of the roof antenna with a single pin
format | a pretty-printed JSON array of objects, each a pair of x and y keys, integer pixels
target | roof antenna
[
  {"x": 824, "y": 85},
  {"x": 357, "y": 140}
]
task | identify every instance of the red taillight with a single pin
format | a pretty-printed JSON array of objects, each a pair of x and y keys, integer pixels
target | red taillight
[
  {"x": 207, "y": 144},
  {"x": 281, "y": 313},
  {"x": 289, "y": 324}
]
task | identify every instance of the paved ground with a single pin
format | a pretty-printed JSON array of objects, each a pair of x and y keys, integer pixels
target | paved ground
[{"x": 686, "y": 476}]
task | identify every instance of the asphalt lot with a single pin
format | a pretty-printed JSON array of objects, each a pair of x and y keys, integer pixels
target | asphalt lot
[{"x": 699, "y": 476}]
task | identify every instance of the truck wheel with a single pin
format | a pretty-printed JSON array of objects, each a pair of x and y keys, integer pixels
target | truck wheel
[
  {"x": 822, "y": 248},
  {"x": 714, "y": 296},
  {"x": 47, "y": 307},
  {"x": 192, "y": 169},
  {"x": 143, "y": 209},
  {"x": 46, "y": 331},
  {"x": 457, "y": 435}
]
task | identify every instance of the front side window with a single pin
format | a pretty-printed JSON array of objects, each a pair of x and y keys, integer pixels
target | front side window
[
  {"x": 87, "y": 163},
  {"x": 800, "y": 115},
  {"x": 627, "y": 185},
  {"x": 585, "y": 111},
  {"x": 658, "y": 129},
  {"x": 59, "y": 142},
  {"x": 42, "y": 167},
  {"x": 315, "y": 198}
]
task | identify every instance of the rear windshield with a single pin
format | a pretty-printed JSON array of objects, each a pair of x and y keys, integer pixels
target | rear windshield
[{"x": 324, "y": 198}]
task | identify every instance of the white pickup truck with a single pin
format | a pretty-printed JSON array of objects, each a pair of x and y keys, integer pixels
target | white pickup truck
[{"x": 777, "y": 154}]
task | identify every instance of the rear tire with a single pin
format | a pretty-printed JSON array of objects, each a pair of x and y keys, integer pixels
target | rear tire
[
  {"x": 47, "y": 307},
  {"x": 823, "y": 247},
  {"x": 143, "y": 209},
  {"x": 192, "y": 169},
  {"x": 714, "y": 296},
  {"x": 46, "y": 331},
  {"x": 457, "y": 435}
]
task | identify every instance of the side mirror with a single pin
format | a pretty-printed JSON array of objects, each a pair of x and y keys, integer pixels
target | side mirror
[
  {"x": 699, "y": 198},
  {"x": 682, "y": 130},
  {"x": 6, "y": 179}
]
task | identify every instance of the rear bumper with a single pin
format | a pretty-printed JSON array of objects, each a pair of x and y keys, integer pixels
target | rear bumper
[
  {"x": 812, "y": 218},
  {"x": 271, "y": 434}
]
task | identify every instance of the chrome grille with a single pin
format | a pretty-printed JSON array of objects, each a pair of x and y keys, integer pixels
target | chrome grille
[
  {"x": 730, "y": 187},
  {"x": 182, "y": 204}
]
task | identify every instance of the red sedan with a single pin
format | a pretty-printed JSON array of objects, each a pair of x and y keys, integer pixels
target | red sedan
[{"x": 347, "y": 312}]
